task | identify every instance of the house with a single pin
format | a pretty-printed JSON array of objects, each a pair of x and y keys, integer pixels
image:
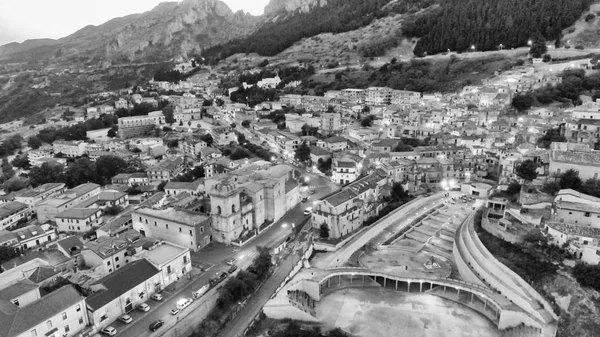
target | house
[
  {"x": 172, "y": 260},
  {"x": 191, "y": 147},
  {"x": 20, "y": 293},
  {"x": 78, "y": 220},
  {"x": 185, "y": 228},
  {"x": 131, "y": 179},
  {"x": 119, "y": 293},
  {"x": 12, "y": 212},
  {"x": 136, "y": 126},
  {"x": 384, "y": 145},
  {"x": 48, "y": 209},
  {"x": 585, "y": 163},
  {"x": 60, "y": 313},
  {"x": 346, "y": 167},
  {"x": 194, "y": 188},
  {"x": 70, "y": 246},
  {"x": 165, "y": 170},
  {"x": 223, "y": 136},
  {"x": 333, "y": 144},
  {"x": 36, "y": 195},
  {"x": 341, "y": 212},
  {"x": 319, "y": 154},
  {"x": 107, "y": 254},
  {"x": 33, "y": 236},
  {"x": 70, "y": 149},
  {"x": 331, "y": 123}
]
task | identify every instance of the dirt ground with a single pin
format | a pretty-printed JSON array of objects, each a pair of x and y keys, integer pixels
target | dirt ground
[{"x": 374, "y": 312}]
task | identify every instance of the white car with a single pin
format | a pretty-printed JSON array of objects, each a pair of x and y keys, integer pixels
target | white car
[
  {"x": 308, "y": 210},
  {"x": 184, "y": 303},
  {"x": 156, "y": 297},
  {"x": 143, "y": 307},
  {"x": 109, "y": 331},
  {"x": 174, "y": 311},
  {"x": 126, "y": 319}
]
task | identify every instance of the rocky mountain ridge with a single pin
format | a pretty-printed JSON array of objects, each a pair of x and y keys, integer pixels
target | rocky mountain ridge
[{"x": 171, "y": 30}]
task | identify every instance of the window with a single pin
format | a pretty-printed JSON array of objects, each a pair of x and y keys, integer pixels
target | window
[
  {"x": 49, "y": 324},
  {"x": 117, "y": 266},
  {"x": 80, "y": 320},
  {"x": 64, "y": 316},
  {"x": 16, "y": 302},
  {"x": 180, "y": 230},
  {"x": 108, "y": 263},
  {"x": 191, "y": 232},
  {"x": 184, "y": 259},
  {"x": 587, "y": 214},
  {"x": 169, "y": 270},
  {"x": 146, "y": 221},
  {"x": 201, "y": 229},
  {"x": 167, "y": 226},
  {"x": 78, "y": 308},
  {"x": 34, "y": 333},
  {"x": 67, "y": 329},
  {"x": 116, "y": 258},
  {"x": 155, "y": 224},
  {"x": 140, "y": 219}
]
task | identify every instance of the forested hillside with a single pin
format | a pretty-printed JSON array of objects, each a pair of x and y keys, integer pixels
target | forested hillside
[
  {"x": 335, "y": 17},
  {"x": 486, "y": 24}
]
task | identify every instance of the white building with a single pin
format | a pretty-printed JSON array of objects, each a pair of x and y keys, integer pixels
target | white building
[{"x": 172, "y": 260}]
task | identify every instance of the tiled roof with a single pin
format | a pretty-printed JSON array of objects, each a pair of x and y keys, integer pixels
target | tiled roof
[
  {"x": 340, "y": 197},
  {"x": 78, "y": 213},
  {"x": 591, "y": 158},
  {"x": 575, "y": 230},
  {"x": 15, "y": 321},
  {"x": 42, "y": 273},
  {"x": 121, "y": 281},
  {"x": 72, "y": 245},
  {"x": 17, "y": 289}
]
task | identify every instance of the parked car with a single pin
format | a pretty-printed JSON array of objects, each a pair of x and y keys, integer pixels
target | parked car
[
  {"x": 184, "y": 303},
  {"x": 126, "y": 319},
  {"x": 157, "y": 297},
  {"x": 304, "y": 199},
  {"x": 308, "y": 210},
  {"x": 154, "y": 326},
  {"x": 174, "y": 311},
  {"x": 143, "y": 307},
  {"x": 231, "y": 262},
  {"x": 232, "y": 269},
  {"x": 109, "y": 331}
]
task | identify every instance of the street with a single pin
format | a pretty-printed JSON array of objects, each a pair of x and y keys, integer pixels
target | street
[{"x": 213, "y": 257}]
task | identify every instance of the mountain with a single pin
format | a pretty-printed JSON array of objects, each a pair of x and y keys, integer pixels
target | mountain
[
  {"x": 278, "y": 6},
  {"x": 170, "y": 30}
]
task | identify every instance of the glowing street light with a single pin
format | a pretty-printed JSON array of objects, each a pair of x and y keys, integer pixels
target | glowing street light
[{"x": 529, "y": 42}]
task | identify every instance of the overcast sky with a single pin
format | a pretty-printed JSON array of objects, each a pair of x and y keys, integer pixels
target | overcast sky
[{"x": 29, "y": 19}]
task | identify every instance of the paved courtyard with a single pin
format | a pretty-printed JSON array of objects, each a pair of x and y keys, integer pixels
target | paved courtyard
[{"x": 374, "y": 312}]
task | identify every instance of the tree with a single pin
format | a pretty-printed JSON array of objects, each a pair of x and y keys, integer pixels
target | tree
[
  {"x": 168, "y": 113},
  {"x": 34, "y": 142},
  {"x": 46, "y": 173},
  {"x": 324, "y": 231},
  {"x": 14, "y": 185},
  {"x": 522, "y": 102},
  {"x": 263, "y": 63},
  {"x": 7, "y": 169},
  {"x": 8, "y": 253},
  {"x": 207, "y": 138},
  {"x": 239, "y": 153},
  {"x": 398, "y": 193},
  {"x": 111, "y": 133},
  {"x": 241, "y": 138},
  {"x": 538, "y": 46},
  {"x": 570, "y": 179},
  {"x": 551, "y": 187},
  {"x": 246, "y": 123},
  {"x": 82, "y": 171},
  {"x": 303, "y": 153},
  {"x": 366, "y": 122},
  {"x": 21, "y": 162},
  {"x": 592, "y": 187},
  {"x": 113, "y": 210},
  {"x": 527, "y": 170},
  {"x": 109, "y": 166}
]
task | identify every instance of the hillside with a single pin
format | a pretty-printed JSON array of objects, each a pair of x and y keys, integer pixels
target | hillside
[
  {"x": 282, "y": 29},
  {"x": 170, "y": 30},
  {"x": 585, "y": 30},
  {"x": 461, "y": 25}
]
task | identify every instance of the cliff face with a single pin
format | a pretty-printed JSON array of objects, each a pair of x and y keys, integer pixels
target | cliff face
[
  {"x": 278, "y": 6},
  {"x": 170, "y": 30}
]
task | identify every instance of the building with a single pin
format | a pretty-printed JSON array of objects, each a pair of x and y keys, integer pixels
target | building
[
  {"x": 33, "y": 236},
  {"x": 246, "y": 198},
  {"x": 184, "y": 228},
  {"x": 12, "y": 212},
  {"x": 136, "y": 126},
  {"x": 172, "y": 260},
  {"x": 78, "y": 219},
  {"x": 223, "y": 136},
  {"x": 331, "y": 123},
  {"x": 58, "y": 314},
  {"x": 191, "y": 147},
  {"x": 334, "y": 144},
  {"x": 36, "y": 195},
  {"x": 70, "y": 149},
  {"x": 285, "y": 142},
  {"x": 119, "y": 293},
  {"x": 585, "y": 163},
  {"x": 109, "y": 253},
  {"x": 165, "y": 170},
  {"x": 131, "y": 179},
  {"x": 48, "y": 209},
  {"x": 346, "y": 168},
  {"x": 194, "y": 188}
]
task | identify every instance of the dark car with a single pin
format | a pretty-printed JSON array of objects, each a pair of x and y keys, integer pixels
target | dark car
[
  {"x": 232, "y": 269},
  {"x": 154, "y": 326}
]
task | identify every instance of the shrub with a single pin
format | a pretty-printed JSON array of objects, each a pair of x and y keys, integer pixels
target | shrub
[{"x": 590, "y": 17}]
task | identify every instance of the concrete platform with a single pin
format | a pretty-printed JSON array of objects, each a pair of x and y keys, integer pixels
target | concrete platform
[
  {"x": 375, "y": 312},
  {"x": 405, "y": 263}
]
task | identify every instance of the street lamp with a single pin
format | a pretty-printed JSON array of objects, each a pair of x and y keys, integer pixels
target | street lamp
[{"x": 529, "y": 42}]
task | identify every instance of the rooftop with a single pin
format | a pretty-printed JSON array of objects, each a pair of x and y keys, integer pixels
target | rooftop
[
  {"x": 575, "y": 230},
  {"x": 17, "y": 289},
  {"x": 78, "y": 213},
  {"x": 340, "y": 197},
  {"x": 163, "y": 253},
  {"x": 15, "y": 321},
  {"x": 71, "y": 245},
  {"x": 183, "y": 217},
  {"x": 121, "y": 281},
  {"x": 591, "y": 158}
]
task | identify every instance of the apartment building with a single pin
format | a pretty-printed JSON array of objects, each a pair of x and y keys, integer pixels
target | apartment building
[
  {"x": 185, "y": 228},
  {"x": 78, "y": 219},
  {"x": 49, "y": 208},
  {"x": 165, "y": 170},
  {"x": 191, "y": 147},
  {"x": 331, "y": 123},
  {"x": 70, "y": 149},
  {"x": 136, "y": 126},
  {"x": 12, "y": 212},
  {"x": 109, "y": 253},
  {"x": 346, "y": 168},
  {"x": 36, "y": 195}
]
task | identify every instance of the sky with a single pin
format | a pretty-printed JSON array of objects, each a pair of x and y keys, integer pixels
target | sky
[{"x": 33, "y": 19}]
